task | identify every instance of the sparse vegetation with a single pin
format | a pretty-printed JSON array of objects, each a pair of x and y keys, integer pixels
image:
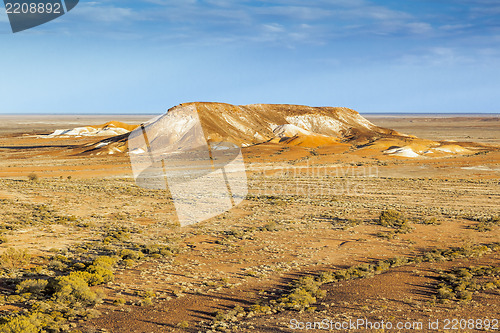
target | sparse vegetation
[
  {"x": 36, "y": 287},
  {"x": 33, "y": 177},
  {"x": 460, "y": 284},
  {"x": 426, "y": 221},
  {"x": 120, "y": 301},
  {"x": 55, "y": 300},
  {"x": 394, "y": 220},
  {"x": 32, "y": 323},
  {"x": 342, "y": 223},
  {"x": 484, "y": 223},
  {"x": 266, "y": 238},
  {"x": 14, "y": 259},
  {"x": 305, "y": 292}
]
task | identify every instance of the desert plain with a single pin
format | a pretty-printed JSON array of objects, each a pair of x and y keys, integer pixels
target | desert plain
[{"x": 356, "y": 230}]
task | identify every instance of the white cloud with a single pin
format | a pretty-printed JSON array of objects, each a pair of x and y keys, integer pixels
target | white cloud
[
  {"x": 455, "y": 27},
  {"x": 274, "y": 28},
  {"x": 440, "y": 56},
  {"x": 94, "y": 11},
  {"x": 289, "y": 23},
  {"x": 419, "y": 27}
]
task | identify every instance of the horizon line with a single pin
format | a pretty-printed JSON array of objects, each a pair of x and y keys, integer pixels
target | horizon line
[{"x": 159, "y": 113}]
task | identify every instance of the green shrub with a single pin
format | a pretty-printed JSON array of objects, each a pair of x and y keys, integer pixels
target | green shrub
[
  {"x": 131, "y": 254},
  {"x": 72, "y": 289},
  {"x": 57, "y": 265},
  {"x": 464, "y": 295},
  {"x": 51, "y": 302},
  {"x": 299, "y": 299},
  {"x": 382, "y": 266},
  {"x": 160, "y": 250},
  {"x": 118, "y": 235},
  {"x": 13, "y": 259},
  {"x": 386, "y": 235},
  {"x": 431, "y": 221},
  {"x": 391, "y": 218},
  {"x": 394, "y": 219},
  {"x": 482, "y": 227},
  {"x": 128, "y": 263},
  {"x": 445, "y": 293},
  {"x": 327, "y": 277},
  {"x": 461, "y": 283},
  {"x": 84, "y": 275},
  {"x": 219, "y": 315},
  {"x": 101, "y": 271},
  {"x": 147, "y": 302},
  {"x": 271, "y": 226},
  {"x": 105, "y": 262},
  {"x": 32, "y": 323},
  {"x": 486, "y": 223},
  {"x": 119, "y": 301},
  {"x": 304, "y": 293},
  {"x": 99, "y": 275},
  {"x": 36, "y": 287},
  {"x": 342, "y": 223},
  {"x": 33, "y": 177},
  {"x": 78, "y": 266},
  {"x": 15, "y": 299}
]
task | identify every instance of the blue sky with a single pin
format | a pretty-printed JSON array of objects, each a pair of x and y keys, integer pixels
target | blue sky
[{"x": 144, "y": 56}]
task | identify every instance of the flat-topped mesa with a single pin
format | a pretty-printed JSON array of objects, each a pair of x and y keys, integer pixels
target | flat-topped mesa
[
  {"x": 292, "y": 125},
  {"x": 247, "y": 125},
  {"x": 257, "y": 123}
]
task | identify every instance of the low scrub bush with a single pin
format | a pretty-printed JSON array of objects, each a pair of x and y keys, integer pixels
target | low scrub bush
[
  {"x": 485, "y": 223},
  {"x": 101, "y": 270},
  {"x": 425, "y": 221},
  {"x": 32, "y": 323},
  {"x": 33, "y": 177},
  {"x": 461, "y": 283},
  {"x": 394, "y": 219},
  {"x": 341, "y": 223},
  {"x": 131, "y": 254},
  {"x": 14, "y": 259},
  {"x": 36, "y": 287},
  {"x": 158, "y": 250},
  {"x": 54, "y": 300},
  {"x": 73, "y": 289}
]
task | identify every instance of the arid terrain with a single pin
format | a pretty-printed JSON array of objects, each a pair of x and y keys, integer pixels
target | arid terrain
[{"x": 393, "y": 219}]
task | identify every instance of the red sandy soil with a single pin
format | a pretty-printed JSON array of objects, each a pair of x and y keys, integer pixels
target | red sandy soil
[{"x": 216, "y": 271}]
